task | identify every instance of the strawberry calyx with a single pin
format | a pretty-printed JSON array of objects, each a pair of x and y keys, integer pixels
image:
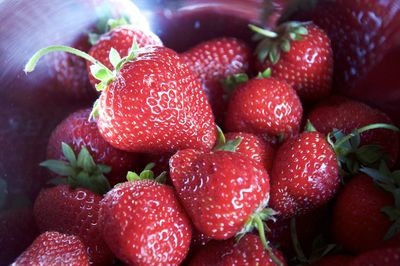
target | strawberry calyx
[
  {"x": 148, "y": 174},
  {"x": 351, "y": 156},
  {"x": 223, "y": 145},
  {"x": 107, "y": 25},
  {"x": 265, "y": 74},
  {"x": 80, "y": 171},
  {"x": 98, "y": 70},
  {"x": 390, "y": 182},
  {"x": 272, "y": 43},
  {"x": 232, "y": 82},
  {"x": 320, "y": 248},
  {"x": 258, "y": 221}
]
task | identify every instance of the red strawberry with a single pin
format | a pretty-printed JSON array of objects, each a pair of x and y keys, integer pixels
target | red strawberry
[
  {"x": 334, "y": 260},
  {"x": 151, "y": 90},
  {"x": 254, "y": 147},
  {"x": 358, "y": 210},
  {"x": 304, "y": 175},
  {"x": 379, "y": 257},
  {"x": 144, "y": 224},
  {"x": 264, "y": 106},
  {"x": 347, "y": 115},
  {"x": 75, "y": 212},
  {"x": 53, "y": 248},
  {"x": 300, "y": 54},
  {"x": 364, "y": 37},
  {"x": 120, "y": 39},
  {"x": 78, "y": 132},
  {"x": 248, "y": 251},
  {"x": 214, "y": 60}
]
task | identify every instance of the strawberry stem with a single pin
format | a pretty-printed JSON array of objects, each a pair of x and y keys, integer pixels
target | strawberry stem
[
  {"x": 295, "y": 241},
  {"x": 263, "y": 32},
  {"x": 261, "y": 231},
  {"x": 30, "y": 66},
  {"x": 363, "y": 129}
]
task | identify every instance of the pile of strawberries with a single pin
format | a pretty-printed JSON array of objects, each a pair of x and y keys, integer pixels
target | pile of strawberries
[{"x": 146, "y": 177}]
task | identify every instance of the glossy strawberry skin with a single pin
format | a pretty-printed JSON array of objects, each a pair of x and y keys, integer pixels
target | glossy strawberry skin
[
  {"x": 379, "y": 257},
  {"x": 214, "y": 60},
  {"x": 347, "y": 115},
  {"x": 53, "y": 248},
  {"x": 144, "y": 224},
  {"x": 264, "y": 106},
  {"x": 358, "y": 210},
  {"x": 156, "y": 104},
  {"x": 308, "y": 66},
  {"x": 121, "y": 40},
  {"x": 74, "y": 212},
  {"x": 247, "y": 252},
  {"x": 77, "y": 131},
  {"x": 219, "y": 190},
  {"x": 304, "y": 175},
  {"x": 254, "y": 147}
]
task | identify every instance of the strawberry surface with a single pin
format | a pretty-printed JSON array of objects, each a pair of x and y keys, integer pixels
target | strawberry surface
[
  {"x": 77, "y": 131},
  {"x": 304, "y": 175},
  {"x": 75, "y": 212},
  {"x": 219, "y": 190},
  {"x": 53, "y": 248},
  {"x": 358, "y": 210},
  {"x": 144, "y": 224},
  {"x": 264, "y": 106},
  {"x": 156, "y": 104},
  {"x": 120, "y": 39}
]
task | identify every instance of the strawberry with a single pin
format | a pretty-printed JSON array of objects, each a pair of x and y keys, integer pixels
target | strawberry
[
  {"x": 143, "y": 222},
  {"x": 248, "y": 251},
  {"x": 364, "y": 37},
  {"x": 78, "y": 132},
  {"x": 223, "y": 192},
  {"x": 364, "y": 209},
  {"x": 300, "y": 54},
  {"x": 75, "y": 212},
  {"x": 254, "y": 147},
  {"x": 379, "y": 257},
  {"x": 214, "y": 60},
  {"x": 346, "y": 115},
  {"x": 120, "y": 39},
  {"x": 151, "y": 90},
  {"x": 53, "y": 248},
  {"x": 304, "y": 175},
  {"x": 264, "y": 106},
  {"x": 334, "y": 260}
]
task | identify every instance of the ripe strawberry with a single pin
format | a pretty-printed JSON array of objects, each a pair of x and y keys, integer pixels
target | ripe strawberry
[
  {"x": 300, "y": 54},
  {"x": 248, "y": 251},
  {"x": 214, "y": 60},
  {"x": 144, "y": 224},
  {"x": 78, "y": 132},
  {"x": 379, "y": 257},
  {"x": 359, "y": 210},
  {"x": 254, "y": 147},
  {"x": 334, "y": 260},
  {"x": 304, "y": 175},
  {"x": 151, "y": 90},
  {"x": 119, "y": 38},
  {"x": 223, "y": 192},
  {"x": 346, "y": 115},
  {"x": 53, "y": 248},
  {"x": 264, "y": 106},
  {"x": 75, "y": 212}
]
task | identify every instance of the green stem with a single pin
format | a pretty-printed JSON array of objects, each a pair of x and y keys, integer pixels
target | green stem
[
  {"x": 295, "y": 241},
  {"x": 261, "y": 232},
  {"x": 30, "y": 66},
  {"x": 264, "y": 32},
  {"x": 366, "y": 128}
]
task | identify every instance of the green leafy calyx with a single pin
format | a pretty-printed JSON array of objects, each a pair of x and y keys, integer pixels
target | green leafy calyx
[
  {"x": 80, "y": 171},
  {"x": 148, "y": 174},
  {"x": 223, "y": 145},
  {"x": 272, "y": 43}
]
